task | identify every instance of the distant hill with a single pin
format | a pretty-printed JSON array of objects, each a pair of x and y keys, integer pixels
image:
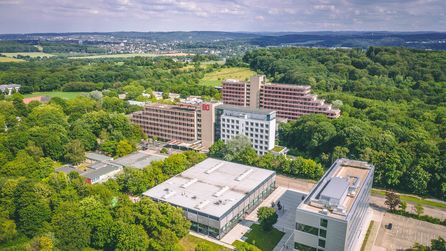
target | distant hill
[
  {"x": 330, "y": 39},
  {"x": 419, "y": 40}
]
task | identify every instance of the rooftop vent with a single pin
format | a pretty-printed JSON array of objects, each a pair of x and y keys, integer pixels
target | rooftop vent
[
  {"x": 168, "y": 195},
  {"x": 190, "y": 182},
  {"x": 244, "y": 174},
  {"x": 221, "y": 191},
  {"x": 209, "y": 171},
  {"x": 202, "y": 204}
]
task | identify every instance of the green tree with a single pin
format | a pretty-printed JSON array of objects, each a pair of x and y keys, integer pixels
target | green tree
[
  {"x": 70, "y": 228},
  {"x": 129, "y": 237},
  {"x": 419, "y": 209},
  {"x": 7, "y": 230},
  {"x": 403, "y": 206},
  {"x": 123, "y": 148},
  {"x": 392, "y": 200},
  {"x": 267, "y": 217},
  {"x": 133, "y": 90},
  {"x": 74, "y": 152}
]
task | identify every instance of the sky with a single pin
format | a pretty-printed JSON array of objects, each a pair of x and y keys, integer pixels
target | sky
[{"x": 28, "y": 16}]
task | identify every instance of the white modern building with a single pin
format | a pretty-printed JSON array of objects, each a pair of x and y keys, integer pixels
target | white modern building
[
  {"x": 216, "y": 194},
  {"x": 9, "y": 89},
  {"x": 259, "y": 125},
  {"x": 332, "y": 216}
]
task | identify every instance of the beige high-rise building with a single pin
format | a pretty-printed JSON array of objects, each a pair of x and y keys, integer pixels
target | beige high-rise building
[
  {"x": 290, "y": 101},
  {"x": 188, "y": 123}
]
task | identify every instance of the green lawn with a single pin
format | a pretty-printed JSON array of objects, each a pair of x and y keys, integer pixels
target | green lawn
[
  {"x": 31, "y": 54},
  {"x": 10, "y": 60},
  {"x": 64, "y": 95},
  {"x": 266, "y": 241},
  {"x": 412, "y": 199},
  {"x": 215, "y": 78},
  {"x": 240, "y": 245},
  {"x": 189, "y": 242}
]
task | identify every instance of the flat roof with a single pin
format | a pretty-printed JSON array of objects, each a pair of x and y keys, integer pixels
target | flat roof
[
  {"x": 97, "y": 156},
  {"x": 138, "y": 159},
  {"x": 95, "y": 173},
  {"x": 211, "y": 187},
  {"x": 246, "y": 109},
  {"x": 344, "y": 175}
]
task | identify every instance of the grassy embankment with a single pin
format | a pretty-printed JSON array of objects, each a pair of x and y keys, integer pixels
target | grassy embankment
[
  {"x": 190, "y": 242},
  {"x": 215, "y": 78},
  {"x": 412, "y": 199},
  {"x": 64, "y": 95}
]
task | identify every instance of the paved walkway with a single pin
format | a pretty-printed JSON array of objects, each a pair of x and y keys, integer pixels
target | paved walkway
[
  {"x": 290, "y": 199},
  {"x": 287, "y": 197}
]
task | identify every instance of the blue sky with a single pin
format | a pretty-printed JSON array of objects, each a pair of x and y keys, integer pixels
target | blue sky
[{"x": 24, "y": 16}]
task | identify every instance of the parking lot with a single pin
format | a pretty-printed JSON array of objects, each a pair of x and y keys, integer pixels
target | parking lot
[{"x": 405, "y": 232}]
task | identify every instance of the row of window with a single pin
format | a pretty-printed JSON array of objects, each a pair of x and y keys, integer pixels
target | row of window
[
  {"x": 320, "y": 232},
  {"x": 303, "y": 247}
]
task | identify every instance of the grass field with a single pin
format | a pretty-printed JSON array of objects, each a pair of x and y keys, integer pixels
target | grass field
[
  {"x": 64, "y": 95},
  {"x": 215, "y": 78},
  {"x": 412, "y": 199},
  {"x": 10, "y": 60},
  {"x": 190, "y": 242},
  {"x": 129, "y": 55},
  {"x": 203, "y": 65},
  {"x": 30, "y": 54},
  {"x": 266, "y": 241}
]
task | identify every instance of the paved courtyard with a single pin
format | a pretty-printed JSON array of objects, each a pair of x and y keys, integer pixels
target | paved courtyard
[
  {"x": 285, "y": 223},
  {"x": 405, "y": 232},
  {"x": 290, "y": 199}
]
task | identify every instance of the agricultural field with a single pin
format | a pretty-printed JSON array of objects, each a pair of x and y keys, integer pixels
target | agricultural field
[
  {"x": 215, "y": 78},
  {"x": 129, "y": 55},
  {"x": 64, "y": 95},
  {"x": 10, "y": 60},
  {"x": 25, "y": 54}
]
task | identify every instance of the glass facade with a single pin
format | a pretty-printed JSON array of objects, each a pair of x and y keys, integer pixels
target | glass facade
[
  {"x": 302, "y": 247},
  {"x": 324, "y": 223},
  {"x": 307, "y": 229}
]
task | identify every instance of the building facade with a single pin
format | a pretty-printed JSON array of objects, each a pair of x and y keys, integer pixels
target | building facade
[
  {"x": 332, "y": 216},
  {"x": 290, "y": 101},
  {"x": 259, "y": 125},
  {"x": 215, "y": 194},
  {"x": 183, "y": 122}
]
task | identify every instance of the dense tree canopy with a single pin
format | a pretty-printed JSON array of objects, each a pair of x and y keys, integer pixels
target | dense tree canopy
[
  {"x": 65, "y": 212},
  {"x": 393, "y": 110},
  {"x": 133, "y": 75}
]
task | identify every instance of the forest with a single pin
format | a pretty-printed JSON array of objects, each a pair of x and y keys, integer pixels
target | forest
[
  {"x": 159, "y": 74},
  {"x": 393, "y": 104},
  {"x": 44, "y": 210}
]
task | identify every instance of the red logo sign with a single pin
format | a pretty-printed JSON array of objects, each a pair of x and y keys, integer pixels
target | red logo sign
[{"x": 205, "y": 107}]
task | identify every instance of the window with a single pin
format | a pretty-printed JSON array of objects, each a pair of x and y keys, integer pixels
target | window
[
  {"x": 323, "y": 233},
  {"x": 324, "y": 222},
  {"x": 321, "y": 243},
  {"x": 302, "y": 247},
  {"x": 307, "y": 229}
]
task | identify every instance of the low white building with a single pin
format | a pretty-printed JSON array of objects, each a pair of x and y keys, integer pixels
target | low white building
[
  {"x": 259, "y": 125},
  {"x": 9, "y": 89},
  {"x": 215, "y": 194}
]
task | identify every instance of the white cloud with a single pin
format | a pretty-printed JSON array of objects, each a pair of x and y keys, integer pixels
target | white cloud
[{"x": 231, "y": 15}]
